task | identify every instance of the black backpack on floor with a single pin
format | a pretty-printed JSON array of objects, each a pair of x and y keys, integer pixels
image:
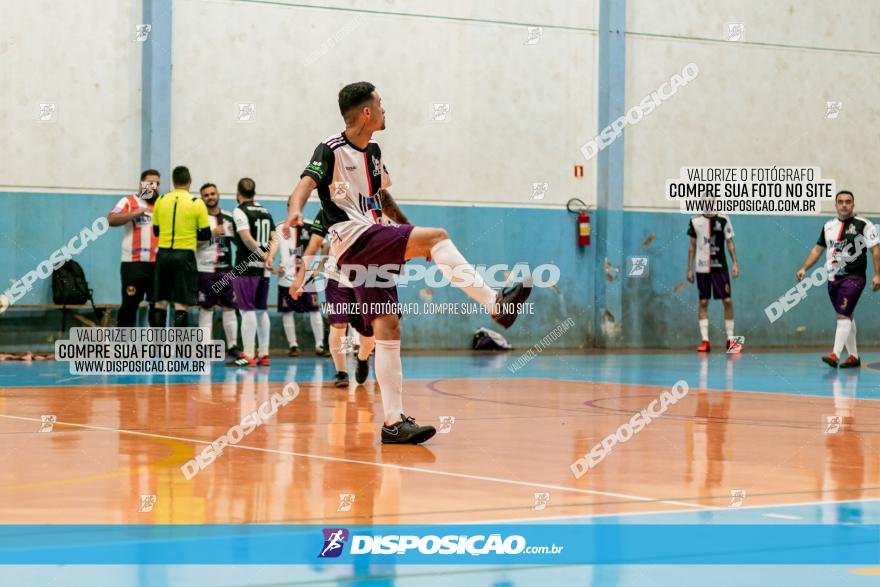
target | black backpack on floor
[{"x": 69, "y": 285}]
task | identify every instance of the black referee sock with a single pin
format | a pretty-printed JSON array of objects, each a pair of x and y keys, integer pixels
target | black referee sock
[
  {"x": 181, "y": 318},
  {"x": 158, "y": 317}
]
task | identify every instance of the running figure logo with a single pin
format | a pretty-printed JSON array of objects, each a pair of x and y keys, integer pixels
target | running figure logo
[{"x": 334, "y": 540}]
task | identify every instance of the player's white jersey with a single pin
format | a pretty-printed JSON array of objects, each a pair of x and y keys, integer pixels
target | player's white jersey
[
  {"x": 348, "y": 181},
  {"x": 139, "y": 243},
  {"x": 710, "y": 234},
  {"x": 216, "y": 254}
]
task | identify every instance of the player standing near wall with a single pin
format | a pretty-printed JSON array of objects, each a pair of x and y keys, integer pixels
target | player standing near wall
[
  {"x": 848, "y": 236},
  {"x": 708, "y": 234},
  {"x": 139, "y": 244}
]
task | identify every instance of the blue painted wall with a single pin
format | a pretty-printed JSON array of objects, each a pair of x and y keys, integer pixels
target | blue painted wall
[{"x": 654, "y": 313}]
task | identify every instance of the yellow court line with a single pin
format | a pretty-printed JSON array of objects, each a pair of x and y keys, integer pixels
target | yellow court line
[
  {"x": 866, "y": 572},
  {"x": 182, "y": 452}
]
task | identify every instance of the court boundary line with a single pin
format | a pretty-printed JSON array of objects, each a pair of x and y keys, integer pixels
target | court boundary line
[
  {"x": 562, "y": 488},
  {"x": 674, "y": 512}
]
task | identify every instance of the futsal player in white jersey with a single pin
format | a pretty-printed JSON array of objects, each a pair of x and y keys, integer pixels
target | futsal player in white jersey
[
  {"x": 291, "y": 256},
  {"x": 214, "y": 263},
  {"x": 352, "y": 181}
]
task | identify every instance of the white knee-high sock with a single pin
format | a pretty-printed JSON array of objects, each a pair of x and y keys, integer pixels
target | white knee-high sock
[
  {"x": 851, "y": 340},
  {"x": 843, "y": 329},
  {"x": 367, "y": 344},
  {"x": 704, "y": 328},
  {"x": 249, "y": 332},
  {"x": 206, "y": 321},
  {"x": 289, "y": 328},
  {"x": 389, "y": 376},
  {"x": 263, "y": 332},
  {"x": 317, "y": 325},
  {"x": 230, "y": 327},
  {"x": 335, "y": 342},
  {"x": 728, "y": 326},
  {"x": 447, "y": 257}
]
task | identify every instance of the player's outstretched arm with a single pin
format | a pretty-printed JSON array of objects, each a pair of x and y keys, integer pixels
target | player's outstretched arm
[
  {"x": 297, "y": 201},
  {"x": 814, "y": 255}
]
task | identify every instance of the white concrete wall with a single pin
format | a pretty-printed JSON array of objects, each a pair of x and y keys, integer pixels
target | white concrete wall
[
  {"x": 755, "y": 104},
  {"x": 82, "y": 56},
  {"x": 519, "y": 112}
]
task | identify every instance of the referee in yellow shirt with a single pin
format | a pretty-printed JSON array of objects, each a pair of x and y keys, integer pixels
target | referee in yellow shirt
[{"x": 179, "y": 220}]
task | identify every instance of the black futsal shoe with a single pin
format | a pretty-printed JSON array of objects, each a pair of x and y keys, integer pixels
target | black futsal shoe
[
  {"x": 509, "y": 300},
  {"x": 341, "y": 379},
  {"x": 293, "y": 351},
  {"x": 233, "y": 352},
  {"x": 363, "y": 369},
  {"x": 406, "y": 432}
]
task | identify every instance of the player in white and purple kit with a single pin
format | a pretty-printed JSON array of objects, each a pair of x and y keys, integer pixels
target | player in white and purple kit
[
  {"x": 846, "y": 240},
  {"x": 214, "y": 262},
  {"x": 307, "y": 303}
]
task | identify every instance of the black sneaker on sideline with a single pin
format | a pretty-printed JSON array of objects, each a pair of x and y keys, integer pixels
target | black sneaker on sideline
[
  {"x": 233, "y": 352},
  {"x": 293, "y": 351},
  {"x": 363, "y": 369},
  {"x": 406, "y": 432},
  {"x": 508, "y": 299},
  {"x": 341, "y": 379},
  {"x": 322, "y": 351}
]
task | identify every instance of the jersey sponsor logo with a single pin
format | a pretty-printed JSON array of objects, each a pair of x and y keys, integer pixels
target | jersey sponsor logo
[
  {"x": 376, "y": 166},
  {"x": 350, "y": 168},
  {"x": 369, "y": 203},
  {"x": 317, "y": 168}
]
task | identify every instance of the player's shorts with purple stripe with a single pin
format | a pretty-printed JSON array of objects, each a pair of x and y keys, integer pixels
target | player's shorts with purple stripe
[
  {"x": 381, "y": 244},
  {"x": 215, "y": 289},
  {"x": 845, "y": 293},
  {"x": 716, "y": 283},
  {"x": 340, "y": 302},
  {"x": 251, "y": 292},
  {"x": 307, "y": 302}
]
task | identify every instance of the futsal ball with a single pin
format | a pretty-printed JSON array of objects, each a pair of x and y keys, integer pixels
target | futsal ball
[{"x": 4, "y": 303}]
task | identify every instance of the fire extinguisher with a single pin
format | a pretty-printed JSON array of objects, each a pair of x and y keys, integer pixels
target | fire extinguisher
[{"x": 583, "y": 220}]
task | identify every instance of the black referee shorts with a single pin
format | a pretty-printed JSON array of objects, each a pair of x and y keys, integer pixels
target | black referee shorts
[{"x": 177, "y": 278}]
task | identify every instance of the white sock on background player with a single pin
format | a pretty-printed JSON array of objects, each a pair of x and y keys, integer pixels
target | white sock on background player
[
  {"x": 335, "y": 342},
  {"x": 843, "y": 329},
  {"x": 206, "y": 320},
  {"x": 466, "y": 278},
  {"x": 230, "y": 327},
  {"x": 289, "y": 328},
  {"x": 263, "y": 331},
  {"x": 366, "y": 348},
  {"x": 317, "y": 325},
  {"x": 851, "y": 340},
  {"x": 728, "y": 326},
  {"x": 704, "y": 329},
  {"x": 249, "y": 331},
  {"x": 389, "y": 376}
]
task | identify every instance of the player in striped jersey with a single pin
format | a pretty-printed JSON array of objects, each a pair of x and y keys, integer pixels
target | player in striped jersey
[
  {"x": 135, "y": 214},
  {"x": 352, "y": 181},
  {"x": 213, "y": 260},
  {"x": 846, "y": 240},
  {"x": 291, "y": 257}
]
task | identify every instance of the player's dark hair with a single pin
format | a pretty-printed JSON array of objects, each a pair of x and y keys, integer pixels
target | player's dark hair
[
  {"x": 354, "y": 96},
  {"x": 247, "y": 188},
  {"x": 206, "y": 186},
  {"x": 845, "y": 192},
  {"x": 147, "y": 172},
  {"x": 180, "y": 177}
]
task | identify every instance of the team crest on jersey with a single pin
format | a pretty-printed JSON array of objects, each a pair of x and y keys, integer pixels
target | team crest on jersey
[
  {"x": 851, "y": 229},
  {"x": 130, "y": 290},
  {"x": 376, "y": 165}
]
